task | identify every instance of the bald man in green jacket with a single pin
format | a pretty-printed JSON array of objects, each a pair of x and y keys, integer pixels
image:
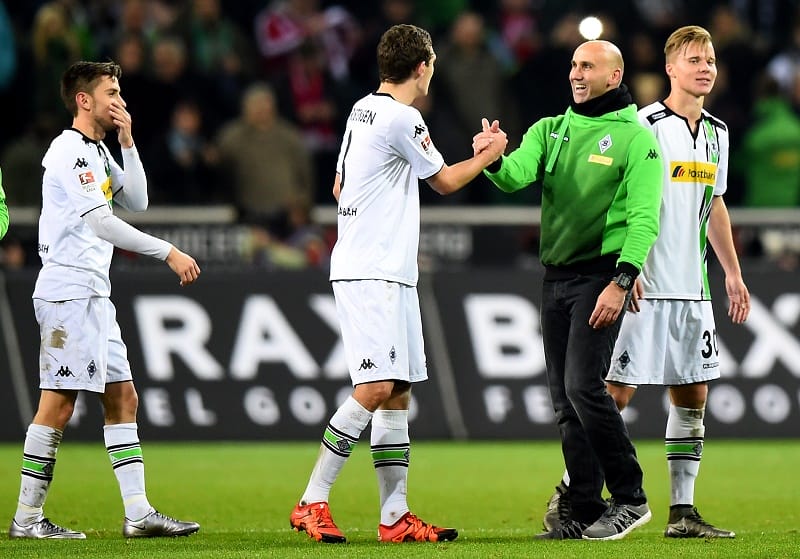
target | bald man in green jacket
[{"x": 601, "y": 175}]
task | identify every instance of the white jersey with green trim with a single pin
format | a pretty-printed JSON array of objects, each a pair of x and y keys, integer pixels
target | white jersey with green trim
[
  {"x": 79, "y": 176},
  {"x": 385, "y": 151},
  {"x": 695, "y": 170}
]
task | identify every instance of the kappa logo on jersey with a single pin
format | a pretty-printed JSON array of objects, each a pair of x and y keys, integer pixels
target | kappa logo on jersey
[
  {"x": 419, "y": 130},
  {"x": 80, "y": 163},
  {"x": 64, "y": 372},
  {"x": 554, "y": 135},
  {"x": 605, "y": 143},
  {"x": 367, "y": 364},
  {"x": 652, "y": 154},
  {"x": 693, "y": 171}
]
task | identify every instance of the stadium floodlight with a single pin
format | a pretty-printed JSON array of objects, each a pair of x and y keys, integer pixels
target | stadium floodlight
[{"x": 590, "y": 28}]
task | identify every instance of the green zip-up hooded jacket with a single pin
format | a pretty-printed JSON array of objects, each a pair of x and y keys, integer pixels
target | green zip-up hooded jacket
[{"x": 601, "y": 182}]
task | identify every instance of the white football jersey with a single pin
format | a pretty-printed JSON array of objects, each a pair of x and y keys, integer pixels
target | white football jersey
[
  {"x": 695, "y": 170},
  {"x": 80, "y": 175},
  {"x": 385, "y": 150}
]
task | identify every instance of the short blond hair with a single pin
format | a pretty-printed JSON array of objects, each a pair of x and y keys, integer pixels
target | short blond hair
[{"x": 685, "y": 36}]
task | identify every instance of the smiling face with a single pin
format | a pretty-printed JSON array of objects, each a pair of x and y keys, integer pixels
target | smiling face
[
  {"x": 596, "y": 69},
  {"x": 693, "y": 68}
]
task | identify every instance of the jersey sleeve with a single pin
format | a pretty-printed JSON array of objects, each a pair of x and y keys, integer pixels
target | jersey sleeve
[
  {"x": 721, "y": 185},
  {"x": 643, "y": 178},
  {"x": 409, "y": 136}
]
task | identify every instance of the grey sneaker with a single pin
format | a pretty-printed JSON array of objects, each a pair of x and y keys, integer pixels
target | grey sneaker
[
  {"x": 568, "y": 530},
  {"x": 618, "y": 521},
  {"x": 557, "y": 509},
  {"x": 156, "y": 525},
  {"x": 686, "y": 522},
  {"x": 43, "y": 530}
]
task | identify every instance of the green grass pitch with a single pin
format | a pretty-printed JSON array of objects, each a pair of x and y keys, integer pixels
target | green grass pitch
[{"x": 493, "y": 492}]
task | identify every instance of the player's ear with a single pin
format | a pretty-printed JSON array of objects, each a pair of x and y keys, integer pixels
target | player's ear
[{"x": 82, "y": 100}]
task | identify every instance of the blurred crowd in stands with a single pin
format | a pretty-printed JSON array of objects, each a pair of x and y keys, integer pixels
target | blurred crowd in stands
[{"x": 244, "y": 102}]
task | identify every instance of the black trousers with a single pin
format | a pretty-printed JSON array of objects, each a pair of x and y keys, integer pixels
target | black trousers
[{"x": 595, "y": 442}]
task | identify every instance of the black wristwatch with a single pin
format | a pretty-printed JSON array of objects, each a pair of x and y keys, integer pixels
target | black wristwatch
[{"x": 625, "y": 281}]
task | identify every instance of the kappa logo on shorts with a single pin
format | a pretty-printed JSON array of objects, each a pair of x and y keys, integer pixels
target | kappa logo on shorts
[
  {"x": 367, "y": 364},
  {"x": 91, "y": 368},
  {"x": 64, "y": 372}
]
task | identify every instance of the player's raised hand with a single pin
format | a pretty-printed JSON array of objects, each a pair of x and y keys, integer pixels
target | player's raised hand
[
  {"x": 122, "y": 120},
  {"x": 183, "y": 265}
]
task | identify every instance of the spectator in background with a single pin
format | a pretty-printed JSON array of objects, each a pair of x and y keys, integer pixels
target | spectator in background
[
  {"x": 472, "y": 79},
  {"x": 646, "y": 69},
  {"x": 742, "y": 56},
  {"x": 55, "y": 46},
  {"x": 174, "y": 81},
  {"x": 132, "y": 54},
  {"x": 364, "y": 67},
  {"x": 183, "y": 162},
  {"x": 134, "y": 17},
  {"x": 265, "y": 162},
  {"x": 312, "y": 99},
  {"x": 770, "y": 153},
  {"x": 784, "y": 67},
  {"x": 22, "y": 161},
  {"x": 218, "y": 51},
  {"x": 538, "y": 96},
  {"x": 285, "y": 25},
  {"x": 472, "y": 83},
  {"x": 519, "y": 31}
]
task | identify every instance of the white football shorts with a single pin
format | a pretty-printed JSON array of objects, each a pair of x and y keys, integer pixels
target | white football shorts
[
  {"x": 381, "y": 329},
  {"x": 667, "y": 342},
  {"x": 81, "y": 345}
]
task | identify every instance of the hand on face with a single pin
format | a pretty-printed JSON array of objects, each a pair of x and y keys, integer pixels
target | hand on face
[{"x": 122, "y": 121}]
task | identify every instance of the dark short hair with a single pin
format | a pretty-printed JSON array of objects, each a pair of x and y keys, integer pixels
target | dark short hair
[
  {"x": 400, "y": 50},
  {"x": 83, "y": 76}
]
